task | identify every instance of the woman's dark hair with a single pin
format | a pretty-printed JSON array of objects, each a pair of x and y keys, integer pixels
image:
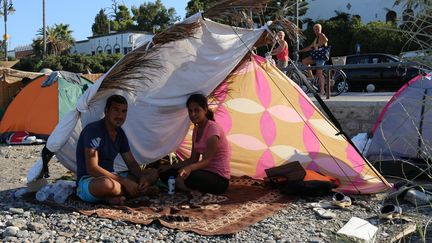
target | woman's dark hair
[
  {"x": 201, "y": 100},
  {"x": 115, "y": 99}
]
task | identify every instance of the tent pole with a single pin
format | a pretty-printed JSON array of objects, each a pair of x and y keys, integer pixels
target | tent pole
[{"x": 419, "y": 143}]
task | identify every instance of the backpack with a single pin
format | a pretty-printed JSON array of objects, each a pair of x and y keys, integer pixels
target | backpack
[{"x": 293, "y": 179}]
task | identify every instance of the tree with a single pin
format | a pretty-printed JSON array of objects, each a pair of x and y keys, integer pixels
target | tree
[
  {"x": 122, "y": 19},
  {"x": 154, "y": 16},
  {"x": 344, "y": 31},
  {"x": 77, "y": 63},
  {"x": 58, "y": 40},
  {"x": 194, "y": 6},
  {"x": 101, "y": 24},
  {"x": 284, "y": 8}
]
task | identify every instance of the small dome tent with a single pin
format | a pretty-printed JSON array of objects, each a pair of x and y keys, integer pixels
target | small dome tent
[
  {"x": 402, "y": 136},
  {"x": 42, "y": 103}
]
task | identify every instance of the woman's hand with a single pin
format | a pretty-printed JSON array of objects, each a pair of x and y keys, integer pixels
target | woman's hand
[{"x": 185, "y": 172}]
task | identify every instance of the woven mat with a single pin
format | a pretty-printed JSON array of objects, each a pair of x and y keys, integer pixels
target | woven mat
[{"x": 245, "y": 203}]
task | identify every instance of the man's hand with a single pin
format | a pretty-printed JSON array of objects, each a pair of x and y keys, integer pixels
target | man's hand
[
  {"x": 131, "y": 187},
  {"x": 143, "y": 183}
]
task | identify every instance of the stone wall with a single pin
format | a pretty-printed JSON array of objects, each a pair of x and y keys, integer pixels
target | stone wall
[{"x": 356, "y": 116}]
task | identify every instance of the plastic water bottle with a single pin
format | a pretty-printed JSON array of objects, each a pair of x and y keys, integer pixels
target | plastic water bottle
[
  {"x": 20, "y": 193},
  {"x": 171, "y": 185},
  {"x": 417, "y": 197},
  {"x": 62, "y": 190},
  {"x": 62, "y": 193},
  {"x": 44, "y": 193}
]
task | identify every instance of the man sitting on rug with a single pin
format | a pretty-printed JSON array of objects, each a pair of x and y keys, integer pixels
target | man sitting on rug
[{"x": 98, "y": 145}]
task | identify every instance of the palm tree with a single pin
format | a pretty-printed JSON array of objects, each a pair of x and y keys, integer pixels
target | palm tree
[
  {"x": 66, "y": 41},
  {"x": 58, "y": 40}
]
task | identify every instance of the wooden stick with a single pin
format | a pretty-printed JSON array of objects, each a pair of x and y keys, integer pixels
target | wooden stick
[{"x": 408, "y": 230}]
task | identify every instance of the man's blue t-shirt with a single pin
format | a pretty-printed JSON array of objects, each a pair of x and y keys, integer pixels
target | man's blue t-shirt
[{"x": 95, "y": 136}]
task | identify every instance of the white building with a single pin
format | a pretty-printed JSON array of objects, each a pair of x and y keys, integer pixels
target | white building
[
  {"x": 368, "y": 10},
  {"x": 118, "y": 42}
]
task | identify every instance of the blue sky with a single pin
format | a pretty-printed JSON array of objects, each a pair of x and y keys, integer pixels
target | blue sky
[{"x": 22, "y": 26}]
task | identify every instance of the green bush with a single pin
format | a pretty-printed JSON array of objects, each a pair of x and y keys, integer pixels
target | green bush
[
  {"x": 77, "y": 63},
  {"x": 344, "y": 31}
]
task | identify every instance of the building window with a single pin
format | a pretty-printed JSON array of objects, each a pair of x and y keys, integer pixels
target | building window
[
  {"x": 93, "y": 53},
  {"x": 391, "y": 17},
  {"x": 99, "y": 49},
  {"x": 116, "y": 48},
  {"x": 108, "y": 49}
]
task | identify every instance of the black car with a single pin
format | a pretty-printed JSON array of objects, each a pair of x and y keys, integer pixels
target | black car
[{"x": 383, "y": 78}]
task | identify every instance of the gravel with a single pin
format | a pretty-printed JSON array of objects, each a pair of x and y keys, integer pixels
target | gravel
[{"x": 22, "y": 221}]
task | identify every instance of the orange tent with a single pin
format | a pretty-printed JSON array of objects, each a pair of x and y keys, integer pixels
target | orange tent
[
  {"x": 11, "y": 83},
  {"x": 39, "y": 106}
]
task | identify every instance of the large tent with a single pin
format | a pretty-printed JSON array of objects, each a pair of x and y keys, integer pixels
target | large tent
[
  {"x": 42, "y": 103},
  {"x": 403, "y": 131},
  {"x": 269, "y": 120},
  {"x": 11, "y": 82}
]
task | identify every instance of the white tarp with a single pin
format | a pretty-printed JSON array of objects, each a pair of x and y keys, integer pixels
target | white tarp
[{"x": 157, "y": 118}]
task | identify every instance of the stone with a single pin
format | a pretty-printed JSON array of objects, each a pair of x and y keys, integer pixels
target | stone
[
  {"x": 10, "y": 239},
  {"x": 16, "y": 210},
  {"x": 38, "y": 227},
  {"x": 315, "y": 240},
  {"x": 66, "y": 234},
  {"x": 64, "y": 221},
  {"x": 10, "y": 231},
  {"x": 20, "y": 223},
  {"x": 23, "y": 234},
  {"x": 60, "y": 239}
]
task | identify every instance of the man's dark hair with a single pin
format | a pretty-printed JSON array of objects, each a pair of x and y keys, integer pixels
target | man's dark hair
[{"x": 115, "y": 99}]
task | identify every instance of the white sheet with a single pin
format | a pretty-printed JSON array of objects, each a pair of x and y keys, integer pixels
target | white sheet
[{"x": 157, "y": 118}]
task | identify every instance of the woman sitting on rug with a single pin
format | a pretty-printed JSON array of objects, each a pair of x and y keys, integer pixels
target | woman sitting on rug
[{"x": 210, "y": 174}]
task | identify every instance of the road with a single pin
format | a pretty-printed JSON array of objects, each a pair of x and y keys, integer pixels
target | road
[{"x": 362, "y": 97}]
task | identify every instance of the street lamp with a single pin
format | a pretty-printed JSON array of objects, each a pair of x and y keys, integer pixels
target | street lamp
[{"x": 6, "y": 10}]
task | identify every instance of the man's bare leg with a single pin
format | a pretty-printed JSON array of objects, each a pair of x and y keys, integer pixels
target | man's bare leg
[{"x": 108, "y": 189}]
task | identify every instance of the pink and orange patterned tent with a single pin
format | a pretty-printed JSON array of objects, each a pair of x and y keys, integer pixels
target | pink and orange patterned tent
[{"x": 269, "y": 121}]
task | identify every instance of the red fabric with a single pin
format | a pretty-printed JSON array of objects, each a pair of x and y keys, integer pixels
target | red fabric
[
  {"x": 315, "y": 176},
  {"x": 18, "y": 137},
  {"x": 283, "y": 56}
]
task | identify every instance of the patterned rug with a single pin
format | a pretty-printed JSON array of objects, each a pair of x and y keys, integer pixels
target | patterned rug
[{"x": 245, "y": 203}]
